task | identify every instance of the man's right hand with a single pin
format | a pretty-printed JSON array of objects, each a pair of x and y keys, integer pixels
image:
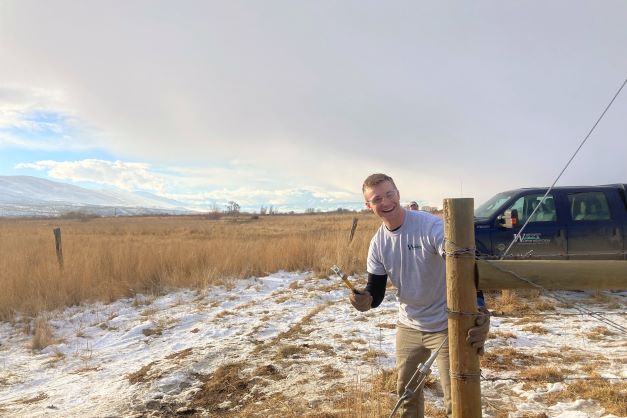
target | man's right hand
[{"x": 361, "y": 300}]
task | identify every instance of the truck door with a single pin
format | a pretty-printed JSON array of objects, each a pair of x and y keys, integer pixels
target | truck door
[
  {"x": 593, "y": 233},
  {"x": 543, "y": 236}
]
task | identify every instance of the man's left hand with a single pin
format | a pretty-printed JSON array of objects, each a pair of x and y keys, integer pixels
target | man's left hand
[{"x": 479, "y": 333}]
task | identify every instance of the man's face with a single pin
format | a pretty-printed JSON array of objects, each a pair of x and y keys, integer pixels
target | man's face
[{"x": 384, "y": 200}]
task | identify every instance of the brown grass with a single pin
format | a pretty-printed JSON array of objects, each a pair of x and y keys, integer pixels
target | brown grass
[
  {"x": 536, "y": 329},
  {"x": 325, "y": 348},
  {"x": 544, "y": 305},
  {"x": 611, "y": 396},
  {"x": 141, "y": 375},
  {"x": 269, "y": 371},
  {"x": 506, "y": 358},
  {"x": 510, "y": 303},
  {"x": 37, "y": 398},
  {"x": 373, "y": 354},
  {"x": 330, "y": 372},
  {"x": 152, "y": 331},
  {"x": 233, "y": 392},
  {"x": 375, "y": 398},
  {"x": 289, "y": 351},
  {"x": 502, "y": 335},
  {"x": 520, "y": 302},
  {"x": 180, "y": 354},
  {"x": 281, "y": 347},
  {"x": 566, "y": 355},
  {"x": 531, "y": 319},
  {"x": 598, "y": 333},
  {"x": 42, "y": 335},
  {"x": 109, "y": 258},
  {"x": 223, "y": 389},
  {"x": 542, "y": 373},
  {"x": 57, "y": 357}
]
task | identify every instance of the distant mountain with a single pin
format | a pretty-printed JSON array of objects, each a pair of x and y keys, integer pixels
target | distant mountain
[{"x": 34, "y": 196}]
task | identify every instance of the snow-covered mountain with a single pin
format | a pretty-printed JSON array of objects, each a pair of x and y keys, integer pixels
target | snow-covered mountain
[{"x": 34, "y": 196}]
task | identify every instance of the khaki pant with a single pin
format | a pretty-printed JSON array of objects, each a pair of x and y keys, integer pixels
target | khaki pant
[{"x": 412, "y": 348}]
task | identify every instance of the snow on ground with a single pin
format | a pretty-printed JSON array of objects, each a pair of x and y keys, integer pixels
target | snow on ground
[{"x": 150, "y": 356}]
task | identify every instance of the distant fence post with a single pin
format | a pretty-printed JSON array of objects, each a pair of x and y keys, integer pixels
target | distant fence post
[
  {"x": 58, "y": 247},
  {"x": 353, "y": 228}
]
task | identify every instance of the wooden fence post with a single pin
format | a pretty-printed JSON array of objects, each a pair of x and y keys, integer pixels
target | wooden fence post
[
  {"x": 459, "y": 234},
  {"x": 353, "y": 228},
  {"x": 58, "y": 247}
]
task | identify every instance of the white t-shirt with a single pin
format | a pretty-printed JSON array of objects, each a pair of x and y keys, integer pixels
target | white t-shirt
[{"x": 412, "y": 258}]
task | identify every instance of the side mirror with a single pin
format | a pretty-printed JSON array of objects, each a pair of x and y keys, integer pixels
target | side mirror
[{"x": 509, "y": 219}]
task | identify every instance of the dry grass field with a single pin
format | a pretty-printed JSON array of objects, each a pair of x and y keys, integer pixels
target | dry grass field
[
  {"x": 109, "y": 258},
  {"x": 282, "y": 344}
]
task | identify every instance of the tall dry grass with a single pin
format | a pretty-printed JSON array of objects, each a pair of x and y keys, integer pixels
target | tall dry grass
[{"x": 109, "y": 258}]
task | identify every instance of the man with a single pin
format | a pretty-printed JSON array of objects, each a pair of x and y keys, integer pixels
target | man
[
  {"x": 409, "y": 249},
  {"x": 413, "y": 205}
]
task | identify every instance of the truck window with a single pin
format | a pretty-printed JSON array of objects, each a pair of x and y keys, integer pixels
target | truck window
[
  {"x": 589, "y": 206},
  {"x": 526, "y": 205},
  {"x": 492, "y": 205}
]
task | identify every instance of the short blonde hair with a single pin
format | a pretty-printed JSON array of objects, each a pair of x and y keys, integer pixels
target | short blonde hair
[{"x": 374, "y": 179}]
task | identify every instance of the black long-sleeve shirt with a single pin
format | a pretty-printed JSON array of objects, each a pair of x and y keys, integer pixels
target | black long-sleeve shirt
[{"x": 377, "y": 283}]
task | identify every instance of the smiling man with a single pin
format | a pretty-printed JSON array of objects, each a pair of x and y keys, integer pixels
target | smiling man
[{"x": 409, "y": 249}]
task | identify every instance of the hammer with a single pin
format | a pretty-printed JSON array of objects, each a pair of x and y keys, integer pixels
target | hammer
[{"x": 335, "y": 269}]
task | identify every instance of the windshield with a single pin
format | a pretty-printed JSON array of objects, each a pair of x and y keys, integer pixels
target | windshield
[{"x": 488, "y": 208}]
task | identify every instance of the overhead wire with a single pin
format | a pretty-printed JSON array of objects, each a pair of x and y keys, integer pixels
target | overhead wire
[{"x": 519, "y": 234}]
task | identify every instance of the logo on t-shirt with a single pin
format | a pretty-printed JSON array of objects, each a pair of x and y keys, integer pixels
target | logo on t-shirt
[{"x": 412, "y": 247}]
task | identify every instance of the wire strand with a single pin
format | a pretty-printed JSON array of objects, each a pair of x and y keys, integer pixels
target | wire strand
[{"x": 517, "y": 236}]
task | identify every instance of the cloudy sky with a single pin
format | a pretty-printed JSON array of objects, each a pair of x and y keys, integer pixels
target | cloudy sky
[{"x": 293, "y": 103}]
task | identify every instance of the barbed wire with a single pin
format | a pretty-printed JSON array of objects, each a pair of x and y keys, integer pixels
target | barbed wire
[
  {"x": 545, "y": 315},
  {"x": 530, "y": 255},
  {"x": 459, "y": 250},
  {"x": 563, "y": 379}
]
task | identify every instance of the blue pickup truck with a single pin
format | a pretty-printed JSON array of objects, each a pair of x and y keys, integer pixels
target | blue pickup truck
[{"x": 587, "y": 222}]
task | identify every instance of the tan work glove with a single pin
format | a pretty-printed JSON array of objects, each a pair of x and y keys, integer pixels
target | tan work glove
[
  {"x": 361, "y": 300},
  {"x": 479, "y": 333}
]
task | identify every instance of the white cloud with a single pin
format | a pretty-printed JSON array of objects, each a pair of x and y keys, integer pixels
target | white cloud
[
  {"x": 39, "y": 119},
  {"x": 301, "y": 198},
  {"x": 200, "y": 191},
  {"x": 124, "y": 175},
  {"x": 23, "y": 99},
  {"x": 63, "y": 143}
]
